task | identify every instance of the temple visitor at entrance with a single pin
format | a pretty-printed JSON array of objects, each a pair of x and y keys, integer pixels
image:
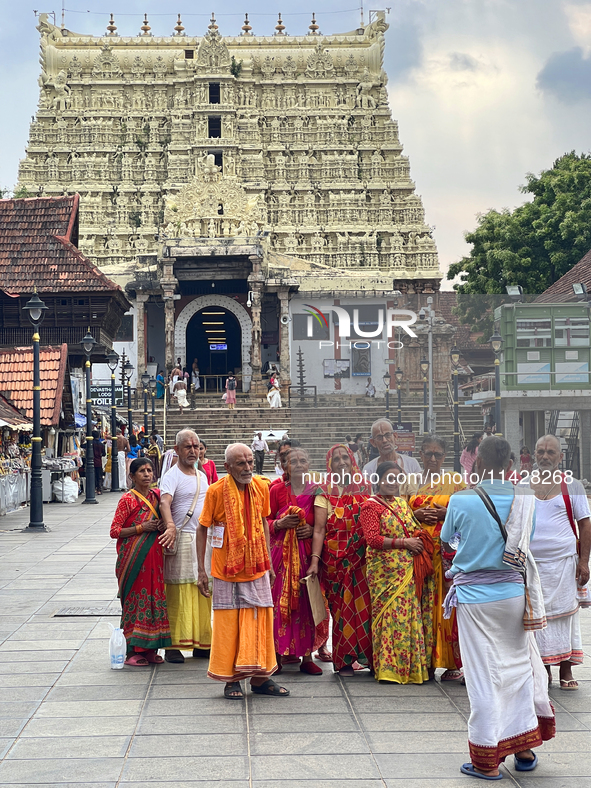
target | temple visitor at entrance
[
  {"x": 291, "y": 526},
  {"x": 339, "y": 543},
  {"x": 236, "y": 508},
  {"x": 207, "y": 466},
  {"x": 175, "y": 375},
  {"x": 259, "y": 448},
  {"x": 429, "y": 507},
  {"x": 141, "y": 535},
  {"x": 122, "y": 449},
  {"x": 160, "y": 385},
  {"x": 564, "y": 573},
  {"x": 507, "y": 687},
  {"x": 399, "y": 569},
  {"x": 274, "y": 393},
  {"x": 383, "y": 439},
  {"x": 370, "y": 389},
  {"x": 195, "y": 382},
  {"x": 180, "y": 392},
  {"x": 153, "y": 452},
  {"x": 230, "y": 391},
  {"x": 182, "y": 491}
]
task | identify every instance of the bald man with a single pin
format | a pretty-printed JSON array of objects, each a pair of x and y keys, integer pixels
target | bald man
[
  {"x": 182, "y": 494},
  {"x": 236, "y": 509},
  {"x": 562, "y": 512}
]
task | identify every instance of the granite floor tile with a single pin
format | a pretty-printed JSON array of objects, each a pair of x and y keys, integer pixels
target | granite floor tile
[
  {"x": 413, "y": 722},
  {"x": 295, "y": 705},
  {"x": 70, "y": 747},
  {"x": 113, "y": 692},
  {"x": 81, "y": 771},
  {"x": 313, "y": 743},
  {"x": 17, "y": 709},
  {"x": 302, "y": 723},
  {"x": 418, "y": 742},
  {"x": 313, "y": 767},
  {"x": 427, "y": 765},
  {"x": 188, "y": 745},
  {"x": 80, "y": 726},
  {"x": 174, "y": 770},
  {"x": 235, "y": 723},
  {"x": 95, "y": 708},
  {"x": 434, "y": 705},
  {"x": 14, "y": 680},
  {"x": 180, "y": 708}
]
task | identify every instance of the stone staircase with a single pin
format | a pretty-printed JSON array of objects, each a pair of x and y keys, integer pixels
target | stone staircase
[{"x": 317, "y": 428}]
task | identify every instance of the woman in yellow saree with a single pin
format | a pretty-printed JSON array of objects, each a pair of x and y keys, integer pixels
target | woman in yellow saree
[
  {"x": 429, "y": 506},
  {"x": 398, "y": 563}
]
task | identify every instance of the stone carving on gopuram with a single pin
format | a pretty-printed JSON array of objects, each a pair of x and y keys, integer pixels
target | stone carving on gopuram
[{"x": 296, "y": 130}]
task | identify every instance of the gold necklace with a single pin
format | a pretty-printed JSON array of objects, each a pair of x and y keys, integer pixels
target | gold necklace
[{"x": 545, "y": 497}]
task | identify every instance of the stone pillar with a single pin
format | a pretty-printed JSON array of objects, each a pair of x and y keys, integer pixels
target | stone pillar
[
  {"x": 585, "y": 443},
  {"x": 255, "y": 354},
  {"x": 510, "y": 427},
  {"x": 140, "y": 300},
  {"x": 169, "y": 284},
  {"x": 285, "y": 373}
]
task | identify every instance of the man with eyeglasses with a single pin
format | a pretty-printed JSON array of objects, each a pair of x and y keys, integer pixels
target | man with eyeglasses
[
  {"x": 562, "y": 519},
  {"x": 383, "y": 438}
]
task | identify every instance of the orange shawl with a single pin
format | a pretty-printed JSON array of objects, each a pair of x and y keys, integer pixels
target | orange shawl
[
  {"x": 290, "y": 593},
  {"x": 247, "y": 547}
]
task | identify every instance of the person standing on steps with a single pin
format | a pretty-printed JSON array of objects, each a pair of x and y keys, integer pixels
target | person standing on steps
[
  {"x": 182, "y": 493},
  {"x": 231, "y": 391},
  {"x": 259, "y": 448}
]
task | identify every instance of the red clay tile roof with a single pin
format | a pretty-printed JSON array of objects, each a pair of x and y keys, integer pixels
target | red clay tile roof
[
  {"x": 465, "y": 338},
  {"x": 562, "y": 289},
  {"x": 10, "y": 415},
  {"x": 36, "y": 249},
  {"x": 16, "y": 379}
]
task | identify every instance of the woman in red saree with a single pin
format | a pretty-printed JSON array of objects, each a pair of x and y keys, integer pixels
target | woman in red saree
[
  {"x": 291, "y": 526},
  {"x": 340, "y": 544},
  {"x": 140, "y": 568}
]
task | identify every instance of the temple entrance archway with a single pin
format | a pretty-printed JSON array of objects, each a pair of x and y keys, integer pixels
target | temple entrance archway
[{"x": 199, "y": 321}]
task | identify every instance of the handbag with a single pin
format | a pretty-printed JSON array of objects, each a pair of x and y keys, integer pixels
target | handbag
[{"x": 173, "y": 550}]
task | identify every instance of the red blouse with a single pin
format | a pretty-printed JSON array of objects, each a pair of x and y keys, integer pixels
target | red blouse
[
  {"x": 128, "y": 504},
  {"x": 210, "y": 471},
  {"x": 370, "y": 517}
]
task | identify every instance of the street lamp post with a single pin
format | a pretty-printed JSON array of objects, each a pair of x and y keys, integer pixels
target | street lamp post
[
  {"x": 145, "y": 384},
  {"x": 128, "y": 372},
  {"x": 425, "y": 369},
  {"x": 399, "y": 375},
  {"x": 88, "y": 344},
  {"x": 496, "y": 342},
  {"x": 455, "y": 361},
  {"x": 113, "y": 361},
  {"x": 153, "y": 384},
  {"x": 387, "y": 378},
  {"x": 36, "y": 309}
]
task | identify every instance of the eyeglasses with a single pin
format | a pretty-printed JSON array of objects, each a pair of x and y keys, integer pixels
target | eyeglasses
[
  {"x": 382, "y": 436},
  {"x": 438, "y": 455}
]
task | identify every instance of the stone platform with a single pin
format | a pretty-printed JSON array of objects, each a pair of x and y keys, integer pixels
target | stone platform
[{"x": 66, "y": 719}]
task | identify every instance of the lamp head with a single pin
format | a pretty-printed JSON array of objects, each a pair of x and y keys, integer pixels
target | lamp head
[
  {"x": 580, "y": 290},
  {"x": 515, "y": 291},
  {"x": 454, "y": 354},
  {"x": 399, "y": 374},
  {"x": 496, "y": 342},
  {"x": 36, "y": 308},
  {"x": 128, "y": 370},
  {"x": 145, "y": 379},
  {"x": 88, "y": 343},
  {"x": 387, "y": 378},
  {"x": 112, "y": 360},
  {"x": 152, "y": 383},
  {"x": 424, "y": 366}
]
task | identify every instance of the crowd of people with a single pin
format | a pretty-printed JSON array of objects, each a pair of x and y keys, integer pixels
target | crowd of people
[{"x": 417, "y": 569}]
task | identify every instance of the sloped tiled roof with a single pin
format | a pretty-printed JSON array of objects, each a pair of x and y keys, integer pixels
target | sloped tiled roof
[
  {"x": 37, "y": 250},
  {"x": 16, "y": 379},
  {"x": 465, "y": 338},
  {"x": 562, "y": 289},
  {"x": 11, "y": 416}
]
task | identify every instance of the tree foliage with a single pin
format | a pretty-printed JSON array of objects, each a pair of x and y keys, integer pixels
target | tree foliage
[{"x": 533, "y": 245}]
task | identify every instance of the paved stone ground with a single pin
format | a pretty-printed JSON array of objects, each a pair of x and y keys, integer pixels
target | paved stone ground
[{"x": 67, "y": 719}]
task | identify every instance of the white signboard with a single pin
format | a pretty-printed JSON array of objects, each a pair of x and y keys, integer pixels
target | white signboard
[
  {"x": 572, "y": 372},
  {"x": 533, "y": 373}
]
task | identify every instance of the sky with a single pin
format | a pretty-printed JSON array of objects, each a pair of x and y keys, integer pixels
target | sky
[{"x": 484, "y": 91}]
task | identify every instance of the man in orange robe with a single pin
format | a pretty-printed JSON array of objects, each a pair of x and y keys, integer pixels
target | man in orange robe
[{"x": 236, "y": 508}]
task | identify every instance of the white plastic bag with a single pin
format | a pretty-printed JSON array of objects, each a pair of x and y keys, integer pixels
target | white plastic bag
[
  {"x": 117, "y": 648},
  {"x": 68, "y": 489}
]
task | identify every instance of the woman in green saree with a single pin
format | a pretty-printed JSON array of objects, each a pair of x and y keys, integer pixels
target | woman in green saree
[{"x": 140, "y": 567}]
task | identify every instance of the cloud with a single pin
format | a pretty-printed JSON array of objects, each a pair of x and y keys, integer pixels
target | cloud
[
  {"x": 460, "y": 61},
  {"x": 566, "y": 76}
]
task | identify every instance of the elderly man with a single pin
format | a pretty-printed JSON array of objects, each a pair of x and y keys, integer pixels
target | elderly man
[
  {"x": 182, "y": 493},
  {"x": 509, "y": 708},
  {"x": 559, "y": 507},
  {"x": 383, "y": 438},
  {"x": 260, "y": 448},
  {"x": 236, "y": 508}
]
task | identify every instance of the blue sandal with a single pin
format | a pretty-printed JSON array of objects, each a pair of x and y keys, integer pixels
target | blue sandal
[
  {"x": 468, "y": 769},
  {"x": 523, "y": 765}
]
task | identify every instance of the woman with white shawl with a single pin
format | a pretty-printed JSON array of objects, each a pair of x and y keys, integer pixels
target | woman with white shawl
[{"x": 274, "y": 393}]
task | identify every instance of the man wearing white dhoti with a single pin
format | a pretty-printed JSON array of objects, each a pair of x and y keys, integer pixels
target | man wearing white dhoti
[
  {"x": 510, "y": 712},
  {"x": 561, "y": 505}
]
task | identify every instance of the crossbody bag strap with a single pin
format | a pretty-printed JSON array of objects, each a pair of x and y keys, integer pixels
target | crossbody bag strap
[
  {"x": 568, "y": 505},
  {"x": 485, "y": 498},
  {"x": 189, "y": 514},
  {"x": 147, "y": 502}
]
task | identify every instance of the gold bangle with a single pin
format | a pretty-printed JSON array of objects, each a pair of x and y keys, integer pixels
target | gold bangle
[
  {"x": 139, "y": 529},
  {"x": 315, "y": 555}
]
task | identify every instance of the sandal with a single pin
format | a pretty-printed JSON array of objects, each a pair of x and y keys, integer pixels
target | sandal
[
  {"x": 137, "y": 661},
  {"x": 452, "y": 675},
  {"x": 311, "y": 669},
  {"x": 153, "y": 657},
  {"x": 569, "y": 685},
  {"x": 232, "y": 689},
  {"x": 468, "y": 768},
  {"x": 324, "y": 656},
  {"x": 270, "y": 687}
]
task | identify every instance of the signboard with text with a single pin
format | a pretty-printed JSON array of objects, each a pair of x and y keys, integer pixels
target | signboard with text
[{"x": 101, "y": 395}]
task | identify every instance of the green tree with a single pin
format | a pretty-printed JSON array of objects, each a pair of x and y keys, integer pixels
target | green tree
[{"x": 532, "y": 246}]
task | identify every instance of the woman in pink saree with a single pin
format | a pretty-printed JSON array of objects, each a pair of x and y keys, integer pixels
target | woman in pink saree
[{"x": 291, "y": 528}]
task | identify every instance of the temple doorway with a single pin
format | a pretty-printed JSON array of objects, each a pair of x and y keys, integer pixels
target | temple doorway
[{"x": 214, "y": 338}]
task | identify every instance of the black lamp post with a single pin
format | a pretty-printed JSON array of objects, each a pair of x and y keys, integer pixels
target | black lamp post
[
  {"x": 113, "y": 361},
  {"x": 424, "y": 364},
  {"x": 455, "y": 360},
  {"x": 128, "y": 372},
  {"x": 145, "y": 384},
  {"x": 387, "y": 378},
  {"x": 36, "y": 309},
  {"x": 399, "y": 374},
  {"x": 88, "y": 344},
  {"x": 496, "y": 342},
  {"x": 153, "y": 383}
]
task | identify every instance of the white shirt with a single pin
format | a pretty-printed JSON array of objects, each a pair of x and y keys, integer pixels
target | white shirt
[
  {"x": 553, "y": 536},
  {"x": 259, "y": 445},
  {"x": 183, "y": 488},
  {"x": 409, "y": 465}
]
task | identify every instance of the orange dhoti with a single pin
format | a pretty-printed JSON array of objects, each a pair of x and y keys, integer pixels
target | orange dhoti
[{"x": 242, "y": 644}]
